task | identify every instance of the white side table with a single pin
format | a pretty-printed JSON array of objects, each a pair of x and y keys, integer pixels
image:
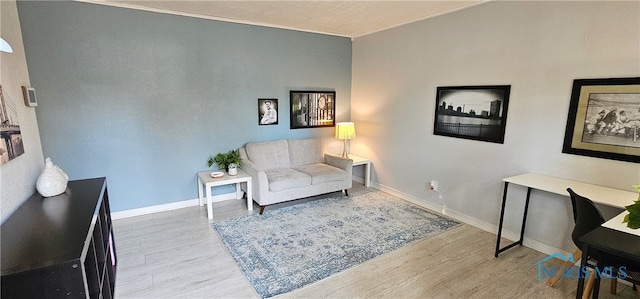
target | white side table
[
  {"x": 357, "y": 160},
  {"x": 205, "y": 181}
]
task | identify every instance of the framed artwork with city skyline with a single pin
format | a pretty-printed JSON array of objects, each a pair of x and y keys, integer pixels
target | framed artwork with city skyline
[{"x": 472, "y": 112}]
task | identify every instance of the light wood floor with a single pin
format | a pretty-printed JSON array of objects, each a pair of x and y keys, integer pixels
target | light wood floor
[{"x": 177, "y": 254}]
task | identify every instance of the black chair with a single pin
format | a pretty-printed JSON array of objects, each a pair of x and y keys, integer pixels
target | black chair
[
  {"x": 588, "y": 217},
  {"x": 577, "y": 255},
  {"x": 591, "y": 219}
]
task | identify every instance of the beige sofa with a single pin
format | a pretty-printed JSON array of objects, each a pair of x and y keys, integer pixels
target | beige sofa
[{"x": 284, "y": 170}]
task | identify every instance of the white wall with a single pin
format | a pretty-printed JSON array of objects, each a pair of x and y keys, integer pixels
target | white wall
[
  {"x": 18, "y": 177},
  {"x": 538, "y": 48}
]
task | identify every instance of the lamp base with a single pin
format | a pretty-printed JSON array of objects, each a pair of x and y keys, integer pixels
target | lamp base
[{"x": 344, "y": 150}]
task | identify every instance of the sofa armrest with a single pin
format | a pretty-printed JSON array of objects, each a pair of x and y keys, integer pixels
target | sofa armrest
[
  {"x": 345, "y": 164},
  {"x": 259, "y": 179}
]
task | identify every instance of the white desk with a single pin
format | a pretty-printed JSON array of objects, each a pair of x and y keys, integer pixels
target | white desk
[
  {"x": 598, "y": 194},
  {"x": 357, "y": 160},
  {"x": 205, "y": 181}
]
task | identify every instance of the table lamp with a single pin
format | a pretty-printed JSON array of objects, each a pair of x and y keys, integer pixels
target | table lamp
[{"x": 345, "y": 131}]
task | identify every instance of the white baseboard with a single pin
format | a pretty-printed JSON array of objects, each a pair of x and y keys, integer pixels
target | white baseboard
[
  {"x": 436, "y": 208},
  {"x": 488, "y": 227},
  {"x": 410, "y": 198},
  {"x": 179, "y": 205},
  {"x": 169, "y": 206}
]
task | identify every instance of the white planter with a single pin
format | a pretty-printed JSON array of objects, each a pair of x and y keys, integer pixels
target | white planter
[{"x": 233, "y": 169}]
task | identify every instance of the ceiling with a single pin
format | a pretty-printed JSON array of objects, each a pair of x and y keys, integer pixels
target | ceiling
[{"x": 342, "y": 18}]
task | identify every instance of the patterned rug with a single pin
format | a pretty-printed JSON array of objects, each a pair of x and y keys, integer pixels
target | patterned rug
[{"x": 288, "y": 248}]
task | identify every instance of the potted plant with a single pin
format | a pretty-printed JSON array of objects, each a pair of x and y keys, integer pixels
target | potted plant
[
  {"x": 633, "y": 218},
  {"x": 225, "y": 159}
]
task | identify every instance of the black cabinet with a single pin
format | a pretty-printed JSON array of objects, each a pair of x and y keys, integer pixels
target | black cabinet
[{"x": 61, "y": 246}]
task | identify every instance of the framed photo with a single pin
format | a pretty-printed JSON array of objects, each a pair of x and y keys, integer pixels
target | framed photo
[
  {"x": 267, "y": 112},
  {"x": 311, "y": 109},
  {"x": 472, "y": 112},
  {"x": 604, "y": 119}
]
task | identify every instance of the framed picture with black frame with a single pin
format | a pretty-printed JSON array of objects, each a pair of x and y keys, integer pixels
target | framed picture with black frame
[
  {"x": 604, "y": 119},
  {"x": 472, "y": 112},
  {"x": 312, "y": 109},
  {"x": 267, "y": 112}
]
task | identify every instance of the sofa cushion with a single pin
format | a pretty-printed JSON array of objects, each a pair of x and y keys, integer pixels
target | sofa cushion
[
  {"x": 306, "y": 151},
  {"x": 322, "y": 173},
  {"x": 269, "y": 154},
  {"x": 286, "y": 178}
]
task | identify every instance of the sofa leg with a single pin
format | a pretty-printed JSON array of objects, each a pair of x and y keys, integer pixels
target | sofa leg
[
  {"x": 346, "y": 192},
  {"x": 262, "y": 209}
]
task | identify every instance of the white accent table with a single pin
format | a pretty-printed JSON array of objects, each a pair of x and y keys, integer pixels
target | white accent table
[
  {"x": 206, "y": 182},
  {"x": 357, "y": 160}
]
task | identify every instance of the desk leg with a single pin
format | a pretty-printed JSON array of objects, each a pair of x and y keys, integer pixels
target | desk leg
[
  {"x": 209, "y": 203},
  {"x": 524, "y": 221},
  {"x": 524, "y": 217},
  {"x": 504, "y": 202},
  {"x": 200, "y": 198},
  {"x": 367, "y": 175},
  {"x": 249, "y": 196}
]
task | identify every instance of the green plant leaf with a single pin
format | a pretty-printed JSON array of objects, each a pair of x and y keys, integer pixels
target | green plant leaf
[
  {"x": 224, "y": 159},
  {"x": 633, "y": 218},
  {"x": 634, "y": 221},
  {"x": 635, "y": 207}
]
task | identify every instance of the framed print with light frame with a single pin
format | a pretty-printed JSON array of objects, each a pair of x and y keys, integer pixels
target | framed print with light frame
[{"x": 604, "y": 119}]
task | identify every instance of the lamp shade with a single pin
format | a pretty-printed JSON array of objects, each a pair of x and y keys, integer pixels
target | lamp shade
[{"x": 345, "y": 130}]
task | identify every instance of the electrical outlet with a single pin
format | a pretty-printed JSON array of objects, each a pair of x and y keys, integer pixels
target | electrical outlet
[{"x": 433, "y": 185}]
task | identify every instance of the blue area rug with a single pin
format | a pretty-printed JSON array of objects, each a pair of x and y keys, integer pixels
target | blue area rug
[{"x": 288, "y": 248}]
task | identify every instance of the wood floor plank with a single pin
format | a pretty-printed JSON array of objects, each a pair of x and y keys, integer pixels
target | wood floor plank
[{"x": 177, "y": 254}]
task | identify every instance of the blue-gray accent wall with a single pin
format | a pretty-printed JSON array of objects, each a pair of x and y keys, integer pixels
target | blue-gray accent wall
[{"x": 145, "y": 98}]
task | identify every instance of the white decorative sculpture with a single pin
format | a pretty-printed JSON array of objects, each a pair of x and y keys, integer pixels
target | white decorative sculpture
[{"x": 52, "y": 181}]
